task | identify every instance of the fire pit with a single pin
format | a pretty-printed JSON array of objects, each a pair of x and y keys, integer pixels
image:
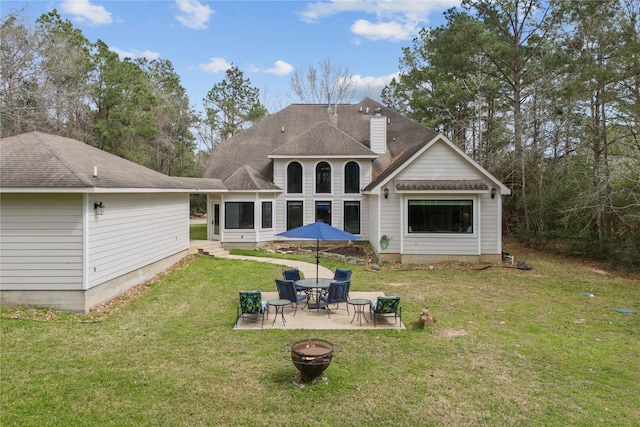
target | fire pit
[{"x": 311, "y": 356}]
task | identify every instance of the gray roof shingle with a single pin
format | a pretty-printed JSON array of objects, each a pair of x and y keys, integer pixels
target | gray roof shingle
[
  {"x": 41, "y": 160},
  {"x": 253, "y": 146}
]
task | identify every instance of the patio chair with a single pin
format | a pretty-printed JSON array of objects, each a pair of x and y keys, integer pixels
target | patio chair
[
  {"x": 251, "y": 303},
  {"x": 385, "y": 306},
  {"x": 338, "y": 292},
  {"x": 294, "y": 274},
  {"x": 342, "y": 275},
  {"x": 286, "y": 290}
]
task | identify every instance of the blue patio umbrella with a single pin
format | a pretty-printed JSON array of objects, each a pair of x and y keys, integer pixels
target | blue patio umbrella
[{"x": 319, "y": 231}]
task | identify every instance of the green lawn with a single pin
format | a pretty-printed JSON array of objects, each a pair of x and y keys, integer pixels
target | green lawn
[{"x": 510, "y": 347}]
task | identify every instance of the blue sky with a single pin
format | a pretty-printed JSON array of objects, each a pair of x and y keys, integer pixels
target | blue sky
[{"x": 266, "y": 39}]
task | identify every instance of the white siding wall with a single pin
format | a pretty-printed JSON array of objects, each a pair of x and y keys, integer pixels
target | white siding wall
[
  {"x": 440, "y": 162},
  {"x": 309, "y": 197},
  {"x": 41, "y": 241},
  {"x": 134, "y": 231}
]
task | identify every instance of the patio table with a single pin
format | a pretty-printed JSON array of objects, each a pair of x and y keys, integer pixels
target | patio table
[{"x": 316, "y": 286}]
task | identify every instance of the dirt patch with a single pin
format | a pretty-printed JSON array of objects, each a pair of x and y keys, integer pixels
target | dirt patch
[{"x": 449, "y": 332}]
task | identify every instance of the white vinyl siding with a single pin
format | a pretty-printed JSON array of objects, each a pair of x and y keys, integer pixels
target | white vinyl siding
[
  {"x": 135, "y": 230},
  {"x": 309, "y": 196},
  {"x": 440, "y": 162},
  {"x": 41, "y": 241}
]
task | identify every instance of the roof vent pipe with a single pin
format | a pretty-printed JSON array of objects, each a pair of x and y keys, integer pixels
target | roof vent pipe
[{"x": 95, "y": 171}]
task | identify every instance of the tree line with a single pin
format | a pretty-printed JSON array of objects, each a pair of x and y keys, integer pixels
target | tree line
[
  {"x": 545, "y": 95},
  {"x": 55, "y": 80}
]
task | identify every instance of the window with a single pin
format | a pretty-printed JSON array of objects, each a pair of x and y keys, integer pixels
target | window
[
  {"x": 323, "y": 212},
  {"x": 440, "y": 216},
  {"x": 352, "y": 217},
  {"x": 352, "y": 178},
  {"x": 323, "y": 178},
  {"x": 295, "y": 214},
  {"x": 267, "y": 209},
  {"x": 238, "y": 215},
  {"x": 294, "y": 178}
]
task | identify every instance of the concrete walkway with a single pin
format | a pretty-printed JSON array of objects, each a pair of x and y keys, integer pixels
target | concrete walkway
[{"x": 306, "y": 268}]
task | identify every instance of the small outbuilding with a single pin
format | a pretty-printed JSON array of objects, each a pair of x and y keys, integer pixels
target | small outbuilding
[{"x": 79, "y": 226}]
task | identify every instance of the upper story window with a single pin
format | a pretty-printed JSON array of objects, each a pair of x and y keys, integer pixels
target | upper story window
[
  {"x": 352, "y": 178},
  {"x": 294, "y": 178},
  {"x": 323, "y": 178}
]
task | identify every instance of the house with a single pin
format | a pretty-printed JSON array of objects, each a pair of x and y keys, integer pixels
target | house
[
  {"x": 408, "y": 190},
  {"x": 79, "y": 226}
]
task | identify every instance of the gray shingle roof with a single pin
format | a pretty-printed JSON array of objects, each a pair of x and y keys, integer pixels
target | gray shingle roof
[
  {"x": 323, "y": 140},
  {"x": 41, "y": 160},
  {"x": 246, "y": 178},
  {"x": 253, "y": 146}
]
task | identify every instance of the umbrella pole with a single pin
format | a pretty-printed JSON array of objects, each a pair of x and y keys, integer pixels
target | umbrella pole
[{"x": 317, "y": 257}]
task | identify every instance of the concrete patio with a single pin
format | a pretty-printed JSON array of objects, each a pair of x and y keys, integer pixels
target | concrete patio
[{"x": 305, "y": 318}]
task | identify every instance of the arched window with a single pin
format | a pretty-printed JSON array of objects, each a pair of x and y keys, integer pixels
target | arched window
[
  {"x": 294, "y": 178},
  {"x": 352, "y": 178},
  {"x": 323, "y": 178}
]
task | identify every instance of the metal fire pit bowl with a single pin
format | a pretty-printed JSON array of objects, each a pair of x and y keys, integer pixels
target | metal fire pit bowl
[{"x": 311, "y": 356}]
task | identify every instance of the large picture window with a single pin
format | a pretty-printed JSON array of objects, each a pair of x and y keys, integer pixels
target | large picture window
[
  {"x": 295, "y": 214},
  {"x": 352, "y": 178},
  {"x": 352, "y": 217},
  {"x": 440, "y": 216},
  {"x": 267, "y": 214},
  {"x": 238, "y": 215},
  {"x": 294, "y": 178},
  {"x": 323, "y": 212},
  {"x": 323, "y": 178}
]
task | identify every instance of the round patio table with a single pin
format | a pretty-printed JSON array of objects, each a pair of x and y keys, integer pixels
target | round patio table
[
  {"x": 358, "y": 307},
  {"x": 316, "y": 286},
  {"x": 279, "y": 304}
]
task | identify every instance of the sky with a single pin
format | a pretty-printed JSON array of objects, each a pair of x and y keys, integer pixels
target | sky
[{"x": 267, "y": 40}]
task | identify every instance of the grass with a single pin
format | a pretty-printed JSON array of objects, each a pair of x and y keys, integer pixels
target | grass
[
  {"x": 198, "y": 231},
  {"x": 510, "y": 347}
]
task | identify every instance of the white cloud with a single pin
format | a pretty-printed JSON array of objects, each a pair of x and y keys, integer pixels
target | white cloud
[
  {"x": 394, "y": 20},
  {"x": 84, "y": 11},
  {"x": 281, "y": 68},
  {"x": 394, "y": 31},
  {"x": 370, "y": 86},
  {"x": 133, "y": 54},
  {"x": 193, "y": 14},
  {"x": 216, "y": 65}
]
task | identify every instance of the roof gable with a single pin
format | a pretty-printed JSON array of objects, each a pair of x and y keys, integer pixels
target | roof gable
[
  {"x": 409, "y": 156},
  {"x": 324, "y": 140}
]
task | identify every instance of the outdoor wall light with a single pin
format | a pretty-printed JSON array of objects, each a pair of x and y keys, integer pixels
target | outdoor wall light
[
  {"x": 98, "y": 207},
  {"x": 386, "y": 192},
  {"x": 493, "y": 192}
]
